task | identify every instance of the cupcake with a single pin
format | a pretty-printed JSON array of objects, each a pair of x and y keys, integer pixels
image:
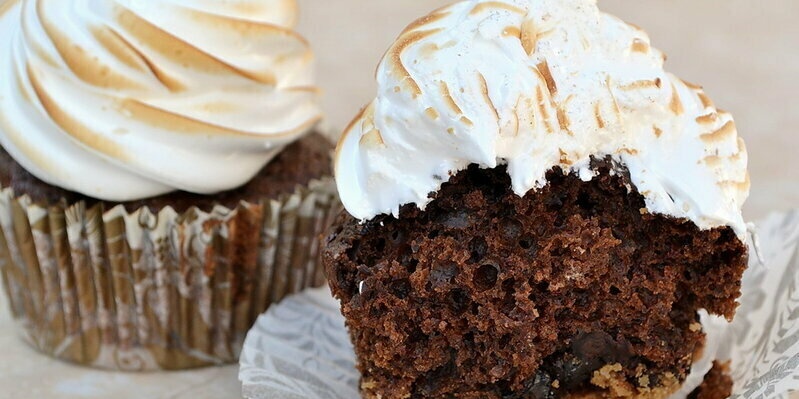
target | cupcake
[
  {"x": 163, "y": 179},
  {"x": 535, "y": 209}
]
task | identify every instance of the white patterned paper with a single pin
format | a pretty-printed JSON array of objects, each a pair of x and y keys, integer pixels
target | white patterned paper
[{"x": 300, "y": 349}]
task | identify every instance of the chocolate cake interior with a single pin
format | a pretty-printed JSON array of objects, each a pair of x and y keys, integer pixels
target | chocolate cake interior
[{"x": 572, "y": 290}]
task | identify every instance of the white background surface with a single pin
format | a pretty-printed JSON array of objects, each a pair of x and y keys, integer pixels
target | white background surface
[{"x": 745, "y": 52}]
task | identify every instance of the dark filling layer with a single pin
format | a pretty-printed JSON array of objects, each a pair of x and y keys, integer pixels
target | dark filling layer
[
  {"x": 570, "y": 290},
  {"x": 716, "y": 385},
  {"x": 298, "y": 164}
]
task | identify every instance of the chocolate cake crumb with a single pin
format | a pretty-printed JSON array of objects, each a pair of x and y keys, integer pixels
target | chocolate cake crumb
[
  {"x": 717, "y": 383},
  {"x": 570, "y": 291}
]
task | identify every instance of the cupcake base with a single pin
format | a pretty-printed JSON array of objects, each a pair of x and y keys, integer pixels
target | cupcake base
[
  {"x": 305, "y": 160},
  {"x": 574, "y": 291},
  {"x": 169, "y": 283}
]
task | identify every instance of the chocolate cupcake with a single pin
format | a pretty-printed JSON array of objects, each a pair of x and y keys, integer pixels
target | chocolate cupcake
[
  {"x": 536, "y": 209},
  {"x": 163, "y": 179}
]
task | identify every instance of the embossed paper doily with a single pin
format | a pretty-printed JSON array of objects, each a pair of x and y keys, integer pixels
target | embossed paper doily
[{"x": 300, "y": 348}]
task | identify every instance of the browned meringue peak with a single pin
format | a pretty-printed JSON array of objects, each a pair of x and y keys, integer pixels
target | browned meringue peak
[
  {"x": 538, "y": 84},
  {"x": 138, "y": 98}
]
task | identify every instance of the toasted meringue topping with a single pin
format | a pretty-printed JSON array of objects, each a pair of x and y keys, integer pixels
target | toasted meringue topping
[
  {"x": 125, "y": 99},
  {"x": 534, "y": 85}
]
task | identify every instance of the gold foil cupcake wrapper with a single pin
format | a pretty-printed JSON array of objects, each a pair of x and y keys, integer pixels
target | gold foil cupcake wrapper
[{"x": 142, "y": 291}]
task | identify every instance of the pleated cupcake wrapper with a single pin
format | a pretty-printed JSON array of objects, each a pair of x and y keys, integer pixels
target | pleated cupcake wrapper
[{"x": 142, "y": 291}]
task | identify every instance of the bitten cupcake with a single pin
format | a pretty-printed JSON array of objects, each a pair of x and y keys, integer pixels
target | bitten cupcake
[
  {"x": 163, "y": 180},
  {"x": 536, "y": 209}
]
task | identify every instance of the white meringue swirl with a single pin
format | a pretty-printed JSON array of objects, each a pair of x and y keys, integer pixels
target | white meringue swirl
[
  {"x": 127, "y": 99},
  {"x": 538, "y": 84}
]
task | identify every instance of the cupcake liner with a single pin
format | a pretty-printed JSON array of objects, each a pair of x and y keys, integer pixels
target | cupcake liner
[{"x": 143, "y": 291}]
